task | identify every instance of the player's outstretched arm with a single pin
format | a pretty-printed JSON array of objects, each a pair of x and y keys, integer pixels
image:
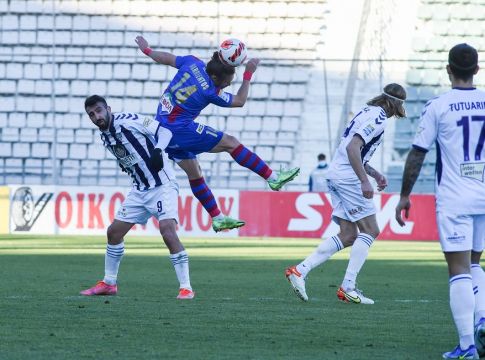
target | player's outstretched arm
[
  {"x": 412, "y": 168},
  {"x": 160, "y": 57},
  {"x": 242, "y": 94}
]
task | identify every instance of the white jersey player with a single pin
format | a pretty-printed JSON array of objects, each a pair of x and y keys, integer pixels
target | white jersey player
[
  {"x": 455, "y": 122},
  {"x": 138, "y": 142},
  {"x": 352, "y": 192}
]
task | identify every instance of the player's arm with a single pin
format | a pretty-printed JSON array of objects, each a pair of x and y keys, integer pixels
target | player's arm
[
  {"x": 162, "y": 137},
  {"x": 412, "y": 168},
  {"x": 354, "y": 149},
  {"x": 379, "y": 178},
  {"x": 426, "y": 135},
  {"x": 240, "y": 98},
  {"x": 160, "y": 57}
]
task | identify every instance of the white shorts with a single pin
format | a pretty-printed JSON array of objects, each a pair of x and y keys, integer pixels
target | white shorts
[
  {"x": 348, "y": 202},
  {"x": 461, "y": 232},
  {"x": 139, "y": 206}
]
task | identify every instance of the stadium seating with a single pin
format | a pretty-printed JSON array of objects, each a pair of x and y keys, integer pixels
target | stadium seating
[
  {"x": 45, "y": 76},
  {"x": 42, "y": 113}
]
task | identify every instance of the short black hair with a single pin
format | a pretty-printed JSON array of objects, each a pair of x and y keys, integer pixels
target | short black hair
[
  {"x": 463, "y": 61},
  {"x": 93, "y": 100},
  {"x": 321, "y": 157}
]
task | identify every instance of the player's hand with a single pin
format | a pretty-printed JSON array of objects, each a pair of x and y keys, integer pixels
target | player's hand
[
  {"x": 252, "y": 65},
  {"x": 403, "y": 204},
  {"x": 156, "y": 160},
  {"x": 367, "y": 189},
  {"x": 381, "y": 182},
  {"x": 142, "y": 43}
]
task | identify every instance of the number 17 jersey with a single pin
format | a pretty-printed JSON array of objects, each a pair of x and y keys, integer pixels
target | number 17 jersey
[{"x": 456, "y": 122}]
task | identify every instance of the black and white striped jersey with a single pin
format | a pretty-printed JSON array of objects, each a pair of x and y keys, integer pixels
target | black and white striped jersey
[{"x": 131, "y": 138}]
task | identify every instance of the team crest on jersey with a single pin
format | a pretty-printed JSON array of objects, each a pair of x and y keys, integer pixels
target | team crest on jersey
[
  {"x": 119, "y": 151},
  {"x": 368, "y": 130}
]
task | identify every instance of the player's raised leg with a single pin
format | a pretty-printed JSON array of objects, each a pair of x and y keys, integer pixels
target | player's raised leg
[
  {"x": 203, "y": 193},
  {"x": 250, "y": 160},
  {"x": 114, "y": 253}
]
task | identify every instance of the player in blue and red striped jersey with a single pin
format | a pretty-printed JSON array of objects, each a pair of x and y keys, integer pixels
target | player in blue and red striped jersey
[{"x": 195, "y": 86}]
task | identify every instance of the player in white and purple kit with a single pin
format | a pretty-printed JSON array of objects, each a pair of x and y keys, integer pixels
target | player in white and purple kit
[
  {"x": 195, "y": 86},
  {"x": 351, "y": 193},
  {"x": 455, "y": 122}
]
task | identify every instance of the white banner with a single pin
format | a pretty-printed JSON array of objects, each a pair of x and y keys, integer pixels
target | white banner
[{"x": 81, "y": 210}]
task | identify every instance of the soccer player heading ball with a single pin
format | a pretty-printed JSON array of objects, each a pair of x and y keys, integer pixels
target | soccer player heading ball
[{"x": 194, "y": 86}]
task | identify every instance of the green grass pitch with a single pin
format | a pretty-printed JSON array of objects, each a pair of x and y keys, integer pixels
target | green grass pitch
[{"x": 244, "y": 307}]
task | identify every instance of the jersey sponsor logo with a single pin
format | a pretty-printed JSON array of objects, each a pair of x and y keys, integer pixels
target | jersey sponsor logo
[
  {"x": 129, "y": 160},
  {"x": 200, "y": 129},
  {"x": 473, "y": 171},
  {"x": 224, "y": 96},
  {"x": 147, "y": 121},
  {"x": 368, "y": 130},
  {"x": 167, "y": 103}
]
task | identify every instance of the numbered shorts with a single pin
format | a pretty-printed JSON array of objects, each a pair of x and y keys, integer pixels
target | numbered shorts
[
  {"x": 348, "y": 202},
  {"x": 190, "y": 140},
  {"x": 461, "y": 232},
  {"x": 160, "y": 202}
]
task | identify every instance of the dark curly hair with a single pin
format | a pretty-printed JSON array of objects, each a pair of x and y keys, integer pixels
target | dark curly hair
[{"x": 215, "y": 67}]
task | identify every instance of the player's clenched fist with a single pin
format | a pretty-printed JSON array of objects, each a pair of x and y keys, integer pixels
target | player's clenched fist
[{"x": 252, "y": 65}]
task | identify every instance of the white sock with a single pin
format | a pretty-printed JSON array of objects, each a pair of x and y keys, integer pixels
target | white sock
[
  {"x": 273, "y": 176},
  {"x": 322, "y": 253},
  {"x": 180, "y": 263},
  {"x": 462, "y": 303},
  {"x": 358, "y": 255},
  {"x": 220, "y": 216},
  {"x": 478, "y": 280},
  {"x": 112, "y": 260}
]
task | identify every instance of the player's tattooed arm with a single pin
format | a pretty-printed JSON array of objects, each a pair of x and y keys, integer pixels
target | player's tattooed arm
[
  {"x": 413, "y": 165},
  {"x": 370, "y": 170}
]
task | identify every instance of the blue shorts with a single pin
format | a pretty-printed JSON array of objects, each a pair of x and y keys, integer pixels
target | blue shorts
[{"x": 189, "y": 141}]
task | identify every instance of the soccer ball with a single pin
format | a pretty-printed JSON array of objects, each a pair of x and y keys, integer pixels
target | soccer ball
[{"x": 232, "y": 52}]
